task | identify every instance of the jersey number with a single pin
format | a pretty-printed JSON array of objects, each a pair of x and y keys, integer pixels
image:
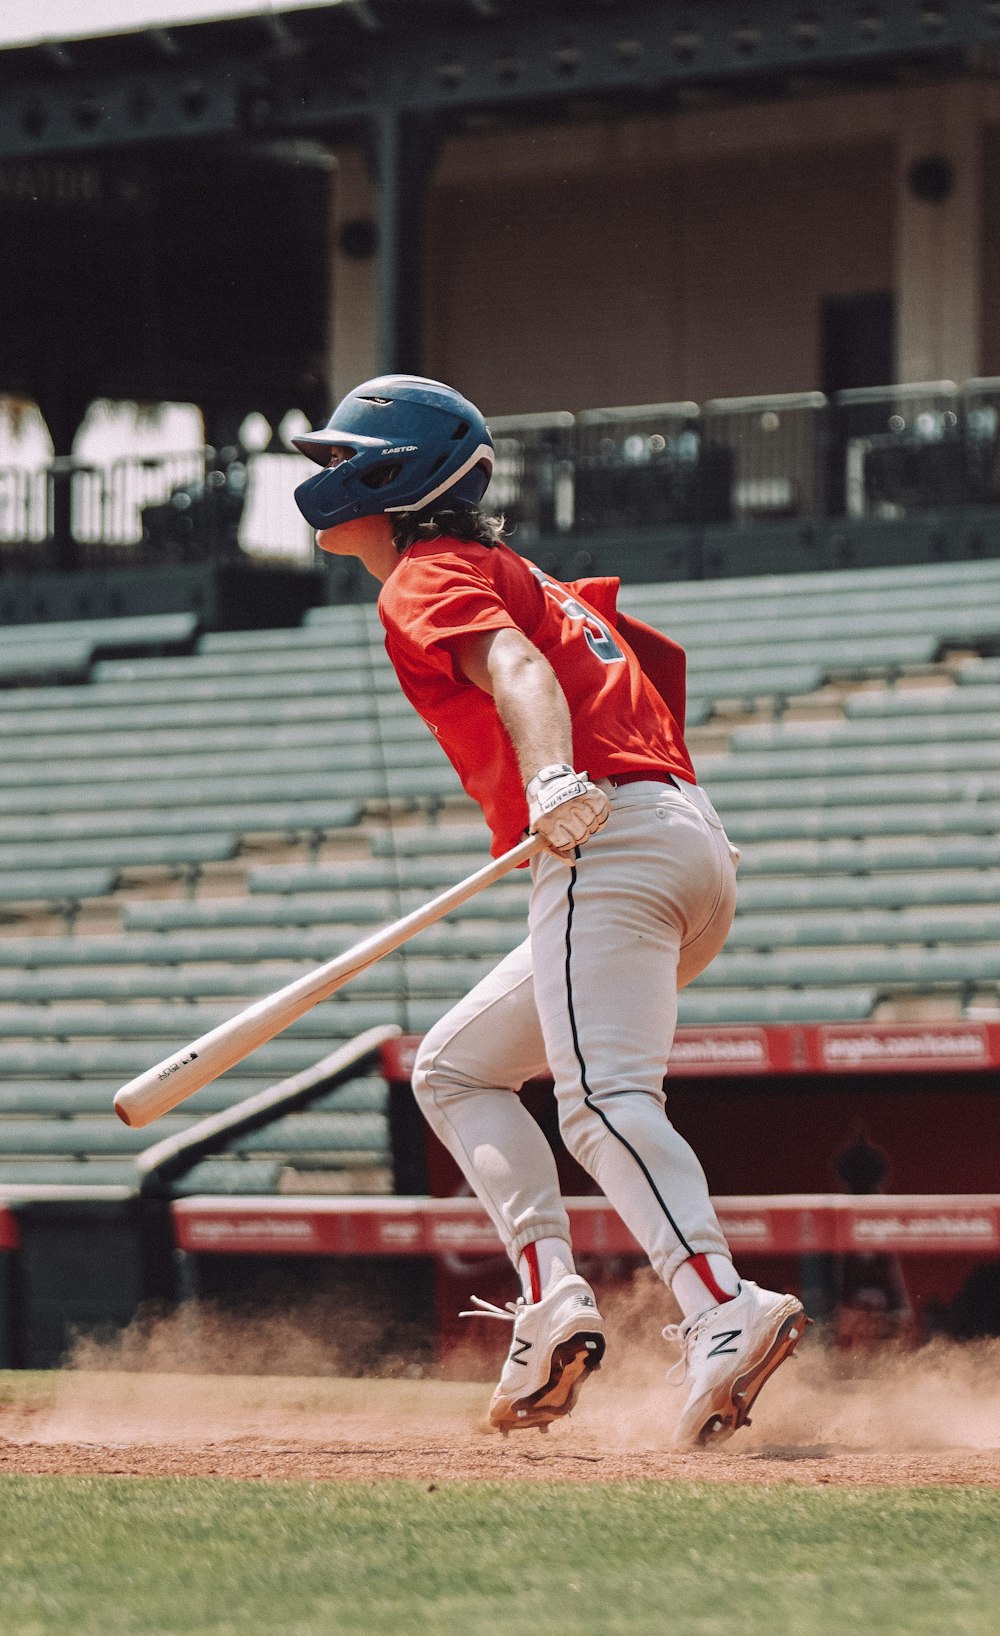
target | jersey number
[{"x": 595, "y": 632}]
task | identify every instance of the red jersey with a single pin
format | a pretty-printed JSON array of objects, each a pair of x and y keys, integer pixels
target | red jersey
[{"x": 443, "y": 589}]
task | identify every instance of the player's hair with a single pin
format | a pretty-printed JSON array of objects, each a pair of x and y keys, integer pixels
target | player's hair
[{"x": 468, "y": 524}]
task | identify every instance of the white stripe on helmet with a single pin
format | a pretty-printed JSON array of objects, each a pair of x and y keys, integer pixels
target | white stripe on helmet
[{"x": 484, "y": 452}]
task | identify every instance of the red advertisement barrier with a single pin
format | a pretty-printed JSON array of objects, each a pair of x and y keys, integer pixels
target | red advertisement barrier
[
  {"x": 795, "y": 1048},
  {"x": 791, "y": 1224},
  {"x": 10, "y": 1238}
]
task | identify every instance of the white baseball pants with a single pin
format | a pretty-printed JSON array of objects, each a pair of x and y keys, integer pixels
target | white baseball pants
[{"x": 592, "y": 995}]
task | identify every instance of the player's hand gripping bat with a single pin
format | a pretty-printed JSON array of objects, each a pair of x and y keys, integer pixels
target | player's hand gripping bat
[{"x": 178, "y": 1076}]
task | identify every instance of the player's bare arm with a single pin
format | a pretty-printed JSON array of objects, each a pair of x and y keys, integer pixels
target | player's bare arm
[{"x": 563, "y": 805}]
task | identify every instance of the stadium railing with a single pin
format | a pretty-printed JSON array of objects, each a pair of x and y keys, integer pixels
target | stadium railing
[{"x": 874, "y": 453}]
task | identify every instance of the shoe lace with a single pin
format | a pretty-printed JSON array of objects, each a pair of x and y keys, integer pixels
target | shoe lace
[
  {"x": 682, "y": 1335},
  {"x": 508, "y": 1313}
]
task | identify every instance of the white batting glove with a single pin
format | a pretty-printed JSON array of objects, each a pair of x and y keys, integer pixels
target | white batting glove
[{"x": 564, "y": 807}]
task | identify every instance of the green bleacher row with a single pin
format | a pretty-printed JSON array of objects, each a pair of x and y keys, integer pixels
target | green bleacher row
[
  {"x": 920, "y": 953},
  {"x": 405, "y": 738},
  {"x": 73, "y": 712},
  {"x": 802, "y": 949},
  {"x": 32, "y": 968},
  {"x": 64, "y": 1100},
  {"x": 736, "y": 785},
  {"x": 216, "y": 1176},
  {"x": 105, "y": 1138},
  {"x": 357, "y": 1136},
  {"x": 842, "y": 644},
  {"x": 361, "y": 909},
  {"x": 289, "y": 817},
  {"x": 65, "y": 651},
  {"x": 830, "y": 589},
  {"x": 417, "y": 768}
]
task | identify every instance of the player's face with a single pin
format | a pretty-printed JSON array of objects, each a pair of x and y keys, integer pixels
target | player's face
[{"x": 356, "y": 536}]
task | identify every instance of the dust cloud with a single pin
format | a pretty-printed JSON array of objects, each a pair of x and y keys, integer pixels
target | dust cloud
[{"x": 205, "y": 1375}]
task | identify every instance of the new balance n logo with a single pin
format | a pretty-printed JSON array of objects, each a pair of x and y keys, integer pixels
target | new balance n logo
[
  {"x": 517, "y": 1352},
  {"x": 722, "y": 1342}
]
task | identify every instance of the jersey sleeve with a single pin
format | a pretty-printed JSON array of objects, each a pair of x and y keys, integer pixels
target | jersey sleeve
[
  {"x": 443, "y": 599},
  {"x": 662, "y": 660},
  {"x": 602, "y": 594}
]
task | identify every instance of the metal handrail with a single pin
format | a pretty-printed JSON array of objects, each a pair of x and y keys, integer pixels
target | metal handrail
[{"x": 162, "y": 1163}]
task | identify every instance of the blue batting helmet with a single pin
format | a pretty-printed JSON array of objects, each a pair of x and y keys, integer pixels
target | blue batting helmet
[{"x": 413, "y": 441}]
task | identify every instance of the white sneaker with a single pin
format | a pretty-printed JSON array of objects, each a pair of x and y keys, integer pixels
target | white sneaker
[
  {"x": 557, "y": 1342},
  {"x": 729, "y": 1352}
]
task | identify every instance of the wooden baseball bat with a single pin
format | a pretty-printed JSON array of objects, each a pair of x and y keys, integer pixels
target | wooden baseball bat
[{"x": 178, "y": 1076}]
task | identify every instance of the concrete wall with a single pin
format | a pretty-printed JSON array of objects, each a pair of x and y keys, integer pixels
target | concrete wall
[
  {"x": 692, "y": 279},
  {"x": 585, "y": 264},
  {"x": 990, "y": 363}
]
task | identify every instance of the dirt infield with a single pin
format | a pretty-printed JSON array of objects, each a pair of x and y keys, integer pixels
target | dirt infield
[{"x": 912, "y": 1418}]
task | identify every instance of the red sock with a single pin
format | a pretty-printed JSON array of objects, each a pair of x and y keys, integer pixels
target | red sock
[
  {"x": 529, "y": 1265},
  {"x": 700, "y": 1265}
]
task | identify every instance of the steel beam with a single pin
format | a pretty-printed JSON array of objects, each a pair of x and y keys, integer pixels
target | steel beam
[{"x": 487, "y": 57}]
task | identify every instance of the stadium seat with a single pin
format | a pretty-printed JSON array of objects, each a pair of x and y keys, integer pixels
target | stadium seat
[
  {"x": 903, "y": 889},
  {"x": 802, "y": 760},
  {"x": 931, "y": 925},
  {"x": 122, "y": 633},
  {"x": 395, "y": 976},
  {"x": 18, "y": 1174},
  {"x": 289, "y": 817},
  {"x": 235, "y": 790},
  {"x": 369, "y": 740},
  {"x": 946, "y": 701},
  {"x": 743, "y": 791},
  {"x": 229, "y": 1176},
  {"x": 309, "y": 909},
  {"x": 314, "y": 1133},
  {"x": 44, "y": 662},
  {"x": 125, "y": 1057},
  {"x": 300, "y": 761},
  {"x": 339, "y": 1018},
  {"x": 80, "y": 710},
  {"x": 914, "y": 818},
  {"x": 54, "y": 885},
  {"x": 65, "y": 1098},
  {"x": 870, "y": 856},
  {"x": 450, "y": 839},
  {"x": 844, "y": 655},
  {"x": 837, "y": 583},
  {"x": 776, "y": 1005},
  {"x": 222, "y": 1175},
  {"x": 330, "y": 660},
  {"x": 888, "y": 968},
  {"x": 978, "y": 672},
  {"x": 384, "y": 875},
  {"x": 128, "y": 851},
  {"x": 92, "y": 1136},
  {"x": 863, "y": 732}
]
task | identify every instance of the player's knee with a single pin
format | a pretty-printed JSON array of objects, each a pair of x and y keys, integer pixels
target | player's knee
[
  {"x": 425, "y": 1076},
  {"x": 582, "y": 1132},
  {"x": 434, "y": 1078},
  {"x": 587, "y": 1124}
]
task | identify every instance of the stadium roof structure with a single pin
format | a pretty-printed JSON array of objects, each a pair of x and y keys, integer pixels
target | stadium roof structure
[
  {"x": 399, "y": 76},
  {"x": 324, "y": 66}
]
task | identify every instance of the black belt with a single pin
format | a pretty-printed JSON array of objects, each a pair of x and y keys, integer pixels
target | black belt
[{"x": 618, "y": 779}]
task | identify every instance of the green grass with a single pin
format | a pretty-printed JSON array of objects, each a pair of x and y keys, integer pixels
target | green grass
[
  {"x": 106, "y": 1557},
  {"x": 21, "y": 1387}
]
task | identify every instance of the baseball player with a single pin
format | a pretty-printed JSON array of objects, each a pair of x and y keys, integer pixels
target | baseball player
[{"x": 562, "y": 716}]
